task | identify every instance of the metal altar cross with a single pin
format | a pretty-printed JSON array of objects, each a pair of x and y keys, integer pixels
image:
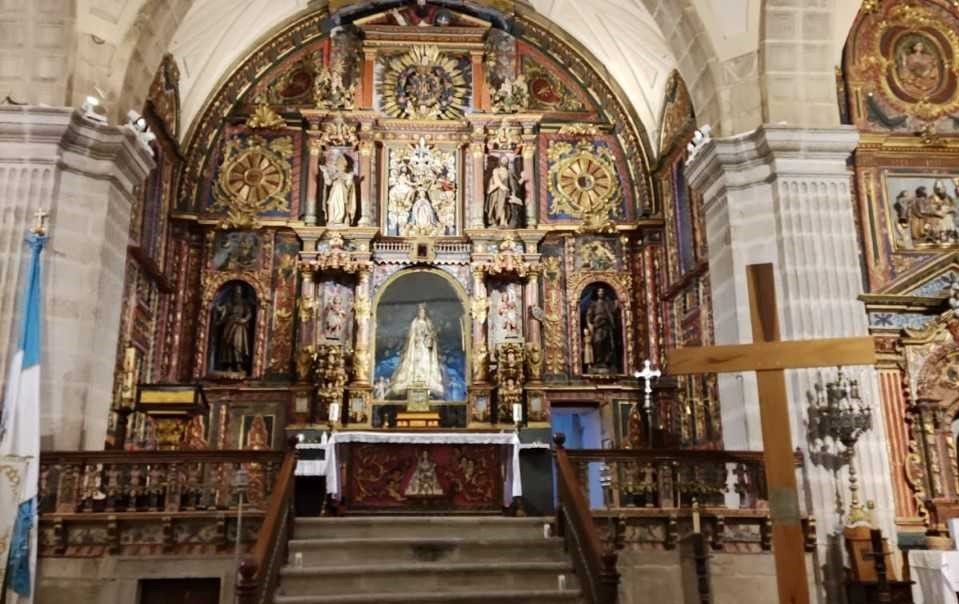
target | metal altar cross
[
  {"x": 40, "y": 228},
  {"x": 769, "y": 357},
  {"x": 648, "y": 374}
]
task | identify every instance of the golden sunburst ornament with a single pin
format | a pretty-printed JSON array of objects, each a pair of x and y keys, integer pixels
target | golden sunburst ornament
[
  {"x": 425, "y": 83},
  {"x": 254, "y": 177},
  {"x": 584, "y": 183}
]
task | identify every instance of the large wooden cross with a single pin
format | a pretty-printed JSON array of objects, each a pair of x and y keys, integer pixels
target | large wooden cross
[{"x": 768, "y": 357}]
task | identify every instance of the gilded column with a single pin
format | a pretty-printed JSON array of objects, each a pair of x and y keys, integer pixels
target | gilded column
[
  {"x": 366, "y": 171},
  {"x": 529, "y": 177},
  {"x": 313, "y": 168},
  {"x": 478, "y": 311},
  {"x": 307, "y": 307},
  {"x": 362, "y": 311},
  {"x": 478, "y": 154}
]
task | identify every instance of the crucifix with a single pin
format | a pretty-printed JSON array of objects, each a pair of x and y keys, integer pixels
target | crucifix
[
  {"x": 648, "y": 374},
  {"x": 769, "y": 357},
  {"x": 40, "y": 228}
]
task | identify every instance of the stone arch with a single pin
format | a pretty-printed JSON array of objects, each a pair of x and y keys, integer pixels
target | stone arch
[{"x": 696, "y": 58}]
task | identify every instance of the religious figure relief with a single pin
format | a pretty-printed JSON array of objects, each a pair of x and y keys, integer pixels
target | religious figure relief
[
  {"x": 423, "y": 482},
  {"x": 925, "y": 218},
  {"x": 334, "y": 86},
  {"x": 237, "y": 251},
  {"x": 339, "y": 192},
  {"x": 504, "y": 206},
  {"x": 511, "y": 96},
  {"x": 597, "y": 255},
  {"x": 918, "y": 66},
  {"x": 234, "y": 317},
  {"x": 419, "y": 365},
  {"x": 602, "y": 331},
  {"x": 422, "y": 195}
]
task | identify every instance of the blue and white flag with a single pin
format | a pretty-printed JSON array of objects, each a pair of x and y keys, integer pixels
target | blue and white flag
[{"x": 20, "y": 444}]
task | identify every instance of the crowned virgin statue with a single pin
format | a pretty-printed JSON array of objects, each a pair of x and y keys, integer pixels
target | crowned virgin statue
[{"x": 420, "y": 364}]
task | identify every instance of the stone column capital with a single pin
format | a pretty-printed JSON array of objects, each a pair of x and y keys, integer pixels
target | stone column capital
[
  {"x": 770, "y": 152},
  {"x": 64, "y": 135}
]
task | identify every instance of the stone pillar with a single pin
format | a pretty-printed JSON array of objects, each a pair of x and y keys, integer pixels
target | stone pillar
[
  {"x": 86, "y": 174},
  {"x": 313, "y": 170},
  {"x": 782, "y": 195},
  {"x": 362, "y": 311},
  {"x": 366, "y": 177},
  {"x": 479, "y": 311}
]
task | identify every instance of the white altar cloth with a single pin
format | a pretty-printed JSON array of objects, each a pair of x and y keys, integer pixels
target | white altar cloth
[
  {"x": 513, "y": 483},
  {"x": 936, "y": 576}
]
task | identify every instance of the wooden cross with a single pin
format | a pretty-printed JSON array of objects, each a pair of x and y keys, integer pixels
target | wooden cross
[{"x": 768, "y": 357}]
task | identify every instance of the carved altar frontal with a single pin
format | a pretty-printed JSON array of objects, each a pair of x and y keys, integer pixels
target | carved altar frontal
[{"x": 419, "y": 477}]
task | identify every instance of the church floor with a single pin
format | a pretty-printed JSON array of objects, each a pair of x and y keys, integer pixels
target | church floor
[{"x": 438, "y": 559}]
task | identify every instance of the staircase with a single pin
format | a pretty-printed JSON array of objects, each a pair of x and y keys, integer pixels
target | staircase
[{"x": 411, "y": 559}]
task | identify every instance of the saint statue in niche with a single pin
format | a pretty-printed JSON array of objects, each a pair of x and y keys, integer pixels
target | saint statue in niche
[
  {"x": 601, "y": 334},
  {"x": 334, "y": 319},
  {"x": 504, "y": 204},
  {"x": 233, "y": 327},
  {"x": 917, "y": 67},
  {"x": 424, "y": 482},
  {"x": 339, "y": 192},
  {"x": 420, "y": 363}
]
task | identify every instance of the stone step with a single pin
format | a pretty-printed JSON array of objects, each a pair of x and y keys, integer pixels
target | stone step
[
  {"x": 375, "y": 550},
  {"x": 387, "y": 527},
  {"x": 526, "y": 596},
  {"x": 424, "y": 577}
]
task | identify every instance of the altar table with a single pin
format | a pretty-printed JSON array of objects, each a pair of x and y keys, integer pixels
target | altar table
[
  {"x": 936, "y": 576},
  {"x": 462, "y": 441}
]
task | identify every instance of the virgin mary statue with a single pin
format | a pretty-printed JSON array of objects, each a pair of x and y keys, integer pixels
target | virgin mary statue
[{"x": 420, "y": 364}]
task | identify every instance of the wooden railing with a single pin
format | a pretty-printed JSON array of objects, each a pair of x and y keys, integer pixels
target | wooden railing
[
  {"x": 88, "y": 482},
  {"x": 674, "y": 478},
  {"x": 595, "y": 566},
  {"x": 258, "y": 574}
]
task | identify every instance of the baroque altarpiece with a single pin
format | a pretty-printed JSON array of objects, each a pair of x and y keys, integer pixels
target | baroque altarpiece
[
  {"x": 898, "y": 86},
  {"x": 449, "y": 213}
]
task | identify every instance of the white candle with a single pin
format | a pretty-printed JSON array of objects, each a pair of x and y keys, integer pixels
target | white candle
[
  {"x": 546, "y": 530},
  {"x": 518, "y": 413},
  {"x": 334, "y": 413}
]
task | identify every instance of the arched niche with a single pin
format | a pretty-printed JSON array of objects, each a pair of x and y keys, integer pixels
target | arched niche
[
  {"x": 602, "y": 330},
  {"x": 399, "y": 309},
  {"x": 231, "y": 343}
]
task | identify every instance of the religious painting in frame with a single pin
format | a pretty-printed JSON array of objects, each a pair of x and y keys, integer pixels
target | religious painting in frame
[
  {"x": 922, "y": 209},
  {"x": 256, "y": 432},
  {"x": 422, "y": 337},
  {"x": 421, "y": 190}
]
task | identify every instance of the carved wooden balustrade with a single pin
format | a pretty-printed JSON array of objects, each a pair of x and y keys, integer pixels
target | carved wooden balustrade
[
  {"x": 150, "y": 502},
  {"x": 674, "y": 478},
  {"x": 649, "y": 495}
]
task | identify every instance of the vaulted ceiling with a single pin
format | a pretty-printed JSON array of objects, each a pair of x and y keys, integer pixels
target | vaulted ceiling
[{"x": 621, "y": 33}]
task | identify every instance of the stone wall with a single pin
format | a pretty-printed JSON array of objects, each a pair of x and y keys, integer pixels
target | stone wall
[{"x": 111, "y": 580}]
